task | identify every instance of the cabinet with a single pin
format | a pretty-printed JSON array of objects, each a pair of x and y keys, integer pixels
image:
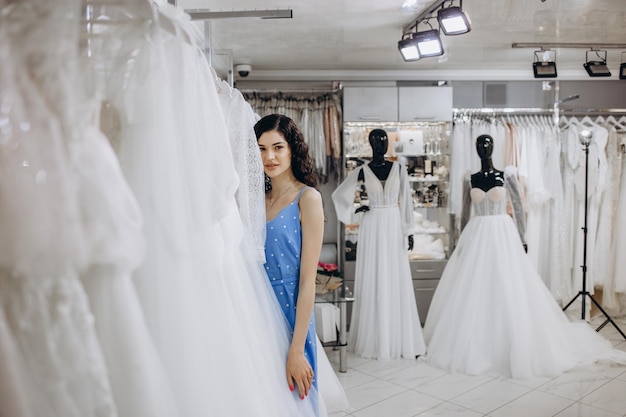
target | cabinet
[
  {"x": 374, "y": 104},
  {"x": 424, "y": 104},
  {"x": 423, "y": 148},
  {"x": 391, "y": 104}
]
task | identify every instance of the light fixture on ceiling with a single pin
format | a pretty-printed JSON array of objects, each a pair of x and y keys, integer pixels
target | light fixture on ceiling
[
  {"x": 597, "y": 68},
  {"x": 622, "y": 69},
  {"x": 428, "y": 43},
  {"x": 408, "y": 48},
  {"x": 453, "y": 20},
  {"x": 545, "y": 66},
  {"x": 417, "y": 45}
]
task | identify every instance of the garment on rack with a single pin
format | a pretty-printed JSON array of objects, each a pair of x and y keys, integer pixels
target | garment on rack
[
  {"x": 619, "y": 262},
  {"x": 206, "y": 299},
  {"x": 240, "y": 120},
  {"x": 491, "y": 311},
  {"x": 605, "y": 237},
  {"x": 385, "y": 323},
  {"x": 49, "y": 348}
]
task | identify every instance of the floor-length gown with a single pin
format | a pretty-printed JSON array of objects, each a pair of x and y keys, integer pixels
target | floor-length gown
[
  {"x": 385, "y": 323},
  {"x": 113, "y": 230},
  {"x": 48, "y": 337},
  {"x": 492, "y": 313},
  {"x": 207, "y": 302}
]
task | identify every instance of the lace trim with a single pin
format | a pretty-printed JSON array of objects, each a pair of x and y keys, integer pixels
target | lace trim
[{"x": 250, "y": 195}]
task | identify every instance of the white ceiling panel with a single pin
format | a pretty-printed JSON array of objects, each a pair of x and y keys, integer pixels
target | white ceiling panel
[{"x": 343, "y": 39}]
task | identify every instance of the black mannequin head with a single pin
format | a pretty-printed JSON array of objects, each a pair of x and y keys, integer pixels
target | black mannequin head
[
  {"x": 484, "y": 146},
  {"x": 379, "y": 142}
]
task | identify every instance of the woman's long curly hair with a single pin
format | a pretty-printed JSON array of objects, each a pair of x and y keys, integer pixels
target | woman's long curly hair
[{"x": 302, "y": 164}]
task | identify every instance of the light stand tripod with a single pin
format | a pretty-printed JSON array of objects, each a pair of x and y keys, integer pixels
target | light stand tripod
[{"x": 585, "y": 139}]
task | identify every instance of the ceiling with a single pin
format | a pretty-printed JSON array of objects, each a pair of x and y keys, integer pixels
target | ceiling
[{"x": 357, "y": 40}]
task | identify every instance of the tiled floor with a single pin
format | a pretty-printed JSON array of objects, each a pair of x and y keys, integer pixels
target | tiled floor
[{"x": 406, "y": 388}]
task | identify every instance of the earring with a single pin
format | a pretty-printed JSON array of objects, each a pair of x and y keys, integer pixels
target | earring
[{"x": 268, "y": 183}]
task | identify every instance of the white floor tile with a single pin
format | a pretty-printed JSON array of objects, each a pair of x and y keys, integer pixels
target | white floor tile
[
  {"x": 534, "y": 382},
  {"x": 407, "y": 388},
  {"x": 380, "y": 368},
  {"x": 405, "y": 404},
  {"x": 449, "y": 410},
  {"x": 370, "y": 393},
  {"x": 452, "y": 385},
  {"x": 535, "y": 404},
  {"x": 490, "y": 396},
  {"x": 574, "y": 385},
  {"x": 353, "y": 378},
  {"x": 609, "y": 370},
  {"x": 611, "y": 397},
  {"x": 583, "y": 410},
  {"x": 413, "y": 376}
]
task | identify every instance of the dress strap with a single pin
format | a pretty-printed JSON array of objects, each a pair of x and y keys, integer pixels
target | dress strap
[{"x": 300, "y": 193}]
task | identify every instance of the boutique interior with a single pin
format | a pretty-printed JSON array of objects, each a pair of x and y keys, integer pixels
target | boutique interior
[{"x": 133, "y": 207}]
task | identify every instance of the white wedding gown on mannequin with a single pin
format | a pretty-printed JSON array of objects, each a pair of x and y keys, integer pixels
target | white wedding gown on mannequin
[{"x": 492, "y": 312}]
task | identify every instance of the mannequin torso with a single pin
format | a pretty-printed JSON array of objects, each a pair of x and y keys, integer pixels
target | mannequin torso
[
  {"x": 379, "y": 165},
  {"x": 488, "y": 177}
]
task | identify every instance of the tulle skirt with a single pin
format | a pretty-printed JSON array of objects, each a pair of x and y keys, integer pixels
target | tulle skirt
[
  {"x": 385, "y": 323},
  {"x": 492, "y": 313}
]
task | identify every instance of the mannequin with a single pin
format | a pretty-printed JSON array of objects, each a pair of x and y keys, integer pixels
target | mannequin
[
  {"x": 385, "y": 322},
  {"x": 379, "y": 165},
  {"x": 491, "y": 312},
  {"x": 488, "y": 177}
]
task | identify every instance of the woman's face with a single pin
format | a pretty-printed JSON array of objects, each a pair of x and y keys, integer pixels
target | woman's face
[{"x": 275, "y": 153}]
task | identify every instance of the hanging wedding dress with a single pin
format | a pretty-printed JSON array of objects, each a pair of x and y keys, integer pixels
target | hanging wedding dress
[
  {"x": 49, "y": 344},
  {"x": 607, "y": 222},
  {"x": 206, "y": 300},
  {"x": 491, "y": 311}
]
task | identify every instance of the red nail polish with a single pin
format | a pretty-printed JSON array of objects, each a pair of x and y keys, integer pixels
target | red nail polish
[
  {"x": 302, "y": 398},
  {"x": 290, "y": 388}
]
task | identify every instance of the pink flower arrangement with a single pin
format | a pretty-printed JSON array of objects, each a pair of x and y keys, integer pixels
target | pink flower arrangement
[
  {"x": 328, "y": 269},
  {"x": 328, "y": 278}
]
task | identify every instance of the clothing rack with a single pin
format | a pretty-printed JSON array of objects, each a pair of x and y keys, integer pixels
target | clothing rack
[
  {"x": 320, "y": 90},
  {"x": 502, "y": 111},
  {"x": 555, "y": 112},
  {"x": 538, "y": 111}
]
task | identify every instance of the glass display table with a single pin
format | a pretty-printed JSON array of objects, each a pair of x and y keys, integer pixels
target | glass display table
[{"x": 341, "y": 343}]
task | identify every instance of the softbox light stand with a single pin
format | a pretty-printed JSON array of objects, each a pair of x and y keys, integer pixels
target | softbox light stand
[{"x": 585, "y": 139}]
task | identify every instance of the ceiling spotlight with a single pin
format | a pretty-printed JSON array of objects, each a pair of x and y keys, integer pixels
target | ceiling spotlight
[
  {"x": 597, "y": 68},
  {"x": 545, "y": 67},
  {"x": 408, "y": 48},
  {"x": 428, "y": 43},
  {"x": 622, "y": 69},
  {"x": 453, "y": 21}
]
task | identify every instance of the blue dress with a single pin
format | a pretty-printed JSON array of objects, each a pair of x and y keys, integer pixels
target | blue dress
[{"x": 283, "y": 245}]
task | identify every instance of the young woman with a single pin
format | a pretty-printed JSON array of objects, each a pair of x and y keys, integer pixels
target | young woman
[{"x": 295, "y": 228}]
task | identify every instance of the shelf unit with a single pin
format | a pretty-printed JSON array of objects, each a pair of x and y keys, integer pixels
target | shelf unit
[{"x": 423, "y": 147}]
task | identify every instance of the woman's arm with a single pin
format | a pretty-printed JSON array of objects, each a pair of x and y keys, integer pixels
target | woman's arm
[{"x": 312, "y": 221}]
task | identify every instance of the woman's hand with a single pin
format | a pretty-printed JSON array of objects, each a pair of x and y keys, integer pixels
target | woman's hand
[{"x": 299, "y": 373}]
